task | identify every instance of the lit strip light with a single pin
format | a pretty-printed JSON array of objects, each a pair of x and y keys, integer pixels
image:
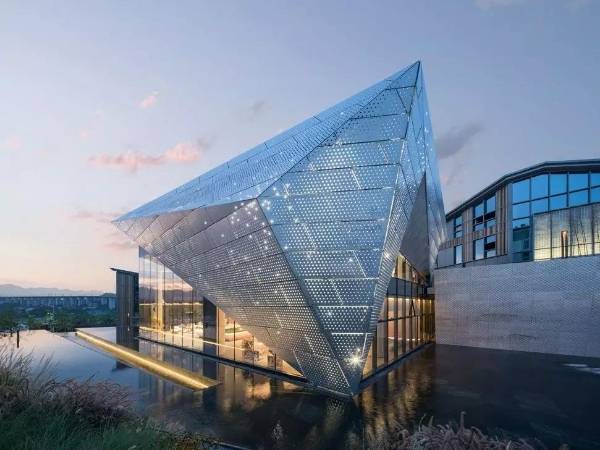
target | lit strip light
[{"x": 176, "y": 374}]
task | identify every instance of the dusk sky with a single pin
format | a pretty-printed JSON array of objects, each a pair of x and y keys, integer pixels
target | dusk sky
[{"x": 106, "y": 105}]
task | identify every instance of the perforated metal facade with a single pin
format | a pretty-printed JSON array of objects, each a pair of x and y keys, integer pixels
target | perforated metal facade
[{"x": 297, "y": 238}]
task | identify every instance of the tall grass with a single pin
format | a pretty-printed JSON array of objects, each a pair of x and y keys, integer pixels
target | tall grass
[
  {"x": 452, "y": 437},
  {"x": 37, "y": 412}
]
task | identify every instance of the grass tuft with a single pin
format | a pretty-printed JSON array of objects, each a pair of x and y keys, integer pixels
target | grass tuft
[{"x": 453, "y": 437}]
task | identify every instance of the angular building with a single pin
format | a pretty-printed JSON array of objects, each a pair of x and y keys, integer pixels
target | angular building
[{"x": 317, "y": 243}]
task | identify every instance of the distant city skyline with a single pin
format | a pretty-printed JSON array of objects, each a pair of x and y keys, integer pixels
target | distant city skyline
[{"x": 107, "y": 105}]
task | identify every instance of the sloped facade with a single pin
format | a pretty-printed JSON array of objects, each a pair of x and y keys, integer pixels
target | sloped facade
[{"x": 297, "y": 238}]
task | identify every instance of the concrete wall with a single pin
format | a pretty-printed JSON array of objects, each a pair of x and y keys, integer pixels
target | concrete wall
[{"x": 542, "y": 306}]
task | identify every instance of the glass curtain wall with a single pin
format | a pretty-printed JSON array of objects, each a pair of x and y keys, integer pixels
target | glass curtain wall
[
  {"x": 406, "y": 321},
  {"x": 567, "y": 232},
  {"x": 484, "y": 216},
  {"x": 543, "y": 193},
  {"x": 171, "y": 312}
]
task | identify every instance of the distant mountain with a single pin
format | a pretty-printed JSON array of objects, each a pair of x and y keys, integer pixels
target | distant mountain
[{"x": 12, "y": 290}]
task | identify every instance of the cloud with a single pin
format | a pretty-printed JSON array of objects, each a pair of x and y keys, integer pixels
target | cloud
[
  {"x": 184, "y": 152},
  {"x": 132, "y": 161},
  {"x": 129, "y": 160},
  {"x": 258, "y": 107},
  {"x": 454, "y": 141},
  {"x": 149, "y": 101},
  {"x": 12, "y": 143},
  {"x": 450, "y": 147}
]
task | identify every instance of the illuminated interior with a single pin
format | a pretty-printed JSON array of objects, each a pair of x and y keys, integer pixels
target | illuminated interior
[{"x": 171, "y": 312}]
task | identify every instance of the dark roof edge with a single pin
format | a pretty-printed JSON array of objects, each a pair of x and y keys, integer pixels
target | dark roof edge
[
  {"x": 523, "y": 173},
  {"x": 116, "y": 269}
]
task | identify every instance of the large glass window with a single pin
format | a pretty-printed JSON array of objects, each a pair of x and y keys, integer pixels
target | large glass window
[
  {"x": 406, "y": 322},
  {"x": 549, "y": 192},
  {"x": 520, "y": 191},
  {"x": 578, "y": 181},
  {"x": 172, "y": 312},
  {"x": 484, "y": 214},
  {"x": 558, "y": 202},
  {"x": 578, "y": 198},
  {"x": 458, "y": 254},
  {"x": 539, "y": 186},
  {"x": 539, "y": 206},
  {"x": 490, "y": 212},
  {"x": 478, "y": 211},
  {"x": 521, "y": 210},
  {"x": 558, "y": 183},
  {"x": 458, "y": 227},
  {"x": 520, "y": 223},
  {"x": 490, "y": 204},
  {"x": 478, "y": 246},
  {"x": 490, "y": 246}
]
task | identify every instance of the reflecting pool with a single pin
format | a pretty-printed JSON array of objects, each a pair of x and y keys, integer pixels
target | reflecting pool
[{"x": 554, "y": 398}]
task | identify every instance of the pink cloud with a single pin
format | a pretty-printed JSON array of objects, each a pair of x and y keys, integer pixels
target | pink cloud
[
  {"x": 149, "y": 101},
  {"x": 131, "y": 161},
  {"x": 12, "y": 143},
  {"x": 183, "y": 152}
]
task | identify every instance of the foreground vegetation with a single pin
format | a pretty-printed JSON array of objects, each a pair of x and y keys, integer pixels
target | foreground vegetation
[{"x": 39, "y": 413}]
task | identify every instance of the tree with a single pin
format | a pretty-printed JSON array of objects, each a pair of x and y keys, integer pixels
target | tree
[{"x": 8, "y": 319}]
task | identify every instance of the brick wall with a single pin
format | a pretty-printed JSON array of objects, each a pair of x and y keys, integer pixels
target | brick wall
[{"x": 542, "y": 306}]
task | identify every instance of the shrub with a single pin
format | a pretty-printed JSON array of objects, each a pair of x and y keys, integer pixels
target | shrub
[{"x": 452, "y": 437}]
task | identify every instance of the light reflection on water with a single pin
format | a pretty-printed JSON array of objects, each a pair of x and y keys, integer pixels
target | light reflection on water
[{"x": 526, "y": 394}]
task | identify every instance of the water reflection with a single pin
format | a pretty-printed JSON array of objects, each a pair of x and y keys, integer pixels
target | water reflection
[{"x": 550, "y": 397}]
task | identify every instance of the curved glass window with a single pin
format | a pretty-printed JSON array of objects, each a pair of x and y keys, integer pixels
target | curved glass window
[
  {"x": 578, "y": 198},
  {"x": 520, "y": 223},
  {"x": 521, "y": 210},
  {"x": 558, "y": 183},
  {"x": 490, "y": 204},
  {"x": 548, "y": 192},
  {"x": 520, "y": 191},
  {"x": 539, "y": 186},
  {"x": 578, "y": 181},
  {"x": 558, "y": 202},
  {"x": 538, "y": 206}
]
